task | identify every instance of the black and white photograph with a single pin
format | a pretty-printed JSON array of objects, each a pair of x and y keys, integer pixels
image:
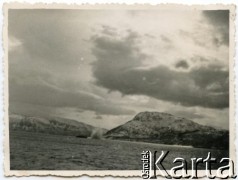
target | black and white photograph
[{"x": 93, "y": 88}]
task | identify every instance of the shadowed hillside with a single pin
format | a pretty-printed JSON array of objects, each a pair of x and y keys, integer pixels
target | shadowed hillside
[
  {"x": 165, "y": 128},
  {"x": 53, "y": 125}
]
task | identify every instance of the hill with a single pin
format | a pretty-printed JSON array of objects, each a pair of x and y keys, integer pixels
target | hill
[
  {"x": 165, "y": 128},
  {"x": 53, "y": 125}
]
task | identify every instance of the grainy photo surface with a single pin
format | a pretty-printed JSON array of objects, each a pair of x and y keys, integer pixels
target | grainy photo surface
[{"x": 90, "y": 89}]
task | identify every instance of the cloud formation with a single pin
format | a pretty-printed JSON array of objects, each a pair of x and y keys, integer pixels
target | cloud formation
[
  {"x": 44, "y": 94},
  {"x": 182, "y": 64},
  {"x": 118, "y": 68},
  {"x": 220, "y": 21},
  {"x": 102, "y": 67},
  {"x": 47, "y": 64}
]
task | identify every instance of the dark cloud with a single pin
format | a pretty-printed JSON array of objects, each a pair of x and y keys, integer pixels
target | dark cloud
[
  {"x": 211, "y": 78},
  {"x": 30, "y": 110},
  {"x": 116, "y": 69},
  {"x": 48, "y": 52},
  {"x": 201, "y": 59},
  {"x": 79, "y": 110},
  {"x": 108, "y": 30},
  {"x": 182, "y": 64},
  {"x": 194, "y": 36},
  {"x": 218, "y": 17},
  {"x": 43, "y": 70},
  {"x": 150, "y": 36},
  {"x": 44, "y": 94},
  {"x": 45, "y": 39},
  {"x": 98, "y": 117},
  {"x": 220, "y": 20},
  {"x": 165, "y": 39},
  {"x": 168, "y": 43},
  {"x": 115, "y": 55}
]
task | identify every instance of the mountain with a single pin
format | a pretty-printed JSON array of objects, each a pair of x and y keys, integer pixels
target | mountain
[
  {"x": 53, "y": 125},
  {"x": 165, "y": 128}
]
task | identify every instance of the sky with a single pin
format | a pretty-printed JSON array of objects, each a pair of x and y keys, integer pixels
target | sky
[{"x": 102, "y": 67}]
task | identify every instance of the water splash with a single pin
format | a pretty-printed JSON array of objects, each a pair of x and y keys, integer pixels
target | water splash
[{"x": 97, "y": 133}]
